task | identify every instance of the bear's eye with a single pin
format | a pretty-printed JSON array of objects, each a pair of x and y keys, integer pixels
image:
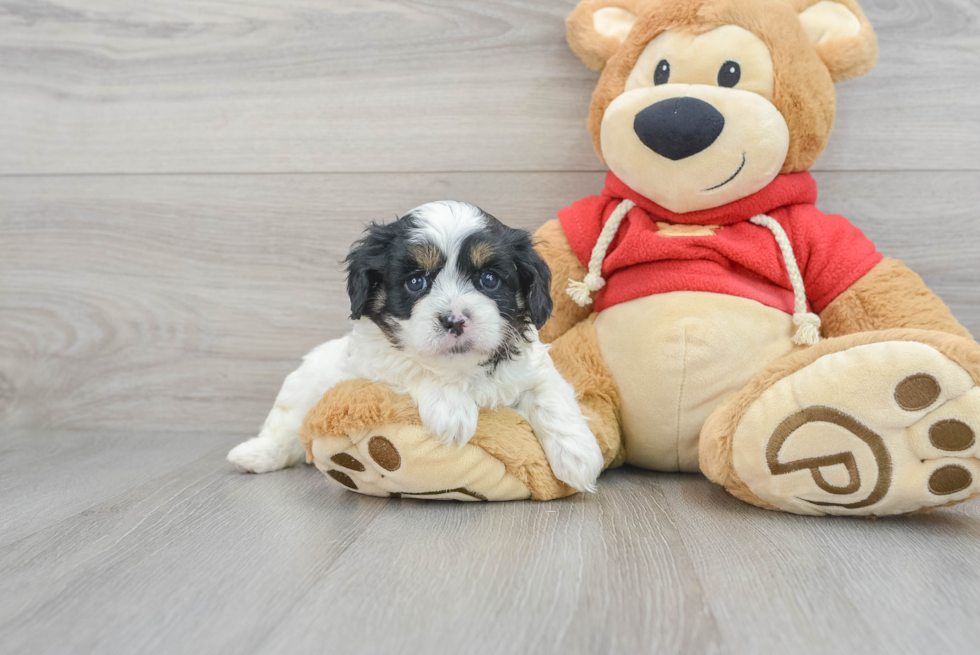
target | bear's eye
[
  {"x": 730, "y": 74},
  {"x": 662, "y": 73}
]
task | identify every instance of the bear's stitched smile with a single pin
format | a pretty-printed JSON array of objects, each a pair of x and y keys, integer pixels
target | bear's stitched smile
[{"x": 718, "y": 186}]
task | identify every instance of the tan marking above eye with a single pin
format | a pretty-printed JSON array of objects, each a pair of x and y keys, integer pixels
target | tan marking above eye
[
  {"x": 427, "y": 257},
  {"x": 480, "y": 254}
]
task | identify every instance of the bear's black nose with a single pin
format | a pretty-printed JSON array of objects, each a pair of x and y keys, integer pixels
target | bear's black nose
[{"x": 678, "y": 127}]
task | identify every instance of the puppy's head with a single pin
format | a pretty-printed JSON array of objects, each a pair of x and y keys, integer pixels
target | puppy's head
[{"x": 449, "y": 279}]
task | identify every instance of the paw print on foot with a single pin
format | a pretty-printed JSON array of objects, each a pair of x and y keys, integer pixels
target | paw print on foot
[
  {"x": 883, "y": 428},
  {"x": 403, "y": 461}
]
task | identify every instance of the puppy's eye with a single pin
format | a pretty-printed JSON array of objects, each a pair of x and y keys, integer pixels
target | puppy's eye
[
  {"x": 489, "y": 281},
  {"x": 730, "y": 74},
  {"x": 662, "y": 73},
  {"x": 416, "y": 283}
]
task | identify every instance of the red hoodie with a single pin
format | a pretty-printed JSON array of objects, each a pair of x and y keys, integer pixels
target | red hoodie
[{"x": 658, "y": 251}]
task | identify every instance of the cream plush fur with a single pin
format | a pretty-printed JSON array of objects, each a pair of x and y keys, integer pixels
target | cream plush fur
[{"x": 702, "y": 347}]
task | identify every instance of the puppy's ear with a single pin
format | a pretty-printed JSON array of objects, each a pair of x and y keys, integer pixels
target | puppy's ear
[
  {"x": 366, "y": 264},
  {"x": 535, "y": 279}
]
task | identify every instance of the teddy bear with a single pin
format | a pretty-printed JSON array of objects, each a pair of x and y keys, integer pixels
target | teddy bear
[{"x": 709, "y": 316}]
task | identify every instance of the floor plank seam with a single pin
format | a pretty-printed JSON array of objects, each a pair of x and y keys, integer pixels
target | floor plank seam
[
  {"x": 153, "y": 482},
  {"x": 336, "y": 559}
]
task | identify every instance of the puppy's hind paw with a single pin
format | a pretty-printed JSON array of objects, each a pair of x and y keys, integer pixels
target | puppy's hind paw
[{"x": 261, "y": 455}]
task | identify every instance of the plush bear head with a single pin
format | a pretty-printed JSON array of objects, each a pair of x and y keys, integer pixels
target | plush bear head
[{"x": 704, "y": 102}]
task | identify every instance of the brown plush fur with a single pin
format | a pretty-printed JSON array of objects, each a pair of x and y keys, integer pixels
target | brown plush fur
[
  {"x": 577, "y": 357},
  {"x": 575, "y": 347},
  {"x": 716, "y": 436},
  {"x": 851, "y": 57},
  {"x": 889, "y": 296},
  {"x": 595, "y": 49},
  {"x": 351, "y": 406},
  {"x": 508, "y": 437},
  {"x": 803, "y": 89},
  {"x": 553, "y": 246}
]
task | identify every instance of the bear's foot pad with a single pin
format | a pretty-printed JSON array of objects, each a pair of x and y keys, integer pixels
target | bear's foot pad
[
  {"x": 877, "y": 429},
  {"x": 404, "y": 462}
]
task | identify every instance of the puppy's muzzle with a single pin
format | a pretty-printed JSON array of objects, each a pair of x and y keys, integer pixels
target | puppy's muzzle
[
  {"x": 453, "y": 323},
  {"x": 677, "y": 128}
]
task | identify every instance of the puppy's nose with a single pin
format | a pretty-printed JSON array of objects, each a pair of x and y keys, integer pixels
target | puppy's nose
[
  {"x": 453, "y": 323},
  {"x": 678, "y": 127}
]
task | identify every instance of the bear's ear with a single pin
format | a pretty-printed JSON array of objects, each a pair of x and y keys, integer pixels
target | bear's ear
[
  {"x": 596, "y": 29},
  {"x": 842, "y": 35}
]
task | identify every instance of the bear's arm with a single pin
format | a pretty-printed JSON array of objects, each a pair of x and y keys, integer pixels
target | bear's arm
[
  {"x": 890, "y": 295},
  {"x": 553, "y": 246}
]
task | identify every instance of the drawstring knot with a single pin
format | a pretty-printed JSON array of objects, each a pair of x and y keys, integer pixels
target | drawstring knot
[
  {"x": 808, "y": 329},
  {"x": 581, "y": 292},
  {"x": 807, "y": 323}
]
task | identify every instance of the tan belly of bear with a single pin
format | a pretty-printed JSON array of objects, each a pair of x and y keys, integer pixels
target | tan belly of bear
[{"x": 676, "y": 357}]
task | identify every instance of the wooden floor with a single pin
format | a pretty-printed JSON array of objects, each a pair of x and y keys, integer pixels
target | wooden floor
[{"x": 178, "y": 182}]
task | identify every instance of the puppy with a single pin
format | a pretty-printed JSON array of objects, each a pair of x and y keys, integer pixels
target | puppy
[{"x": 446, "y": 303}]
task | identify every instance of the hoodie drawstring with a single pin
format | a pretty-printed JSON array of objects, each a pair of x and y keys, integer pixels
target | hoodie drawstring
[
  {"x": 807, "y": 323},
  {"x": 581, "y": 292}
]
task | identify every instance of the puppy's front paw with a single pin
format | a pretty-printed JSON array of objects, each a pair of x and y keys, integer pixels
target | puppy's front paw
[
  {"x": 576, "y": 461},
  {"x": 451, "y": 420},
  {"x": 261, "y": 455}
]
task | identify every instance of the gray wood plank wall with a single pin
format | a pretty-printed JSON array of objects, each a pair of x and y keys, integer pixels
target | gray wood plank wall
[
  {"x": 181, "y": 301},
  {"x": 396, "y": 86},
  {"x": 178, "y": 182}
]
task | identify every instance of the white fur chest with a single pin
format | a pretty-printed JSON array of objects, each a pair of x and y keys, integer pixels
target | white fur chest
[{"x": 373, "y": 357}]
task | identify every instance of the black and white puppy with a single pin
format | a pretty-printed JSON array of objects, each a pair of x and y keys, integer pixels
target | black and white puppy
[{"x": 446, "y": 303}]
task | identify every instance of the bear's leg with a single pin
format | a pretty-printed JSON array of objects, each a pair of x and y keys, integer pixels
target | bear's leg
[
  {"x": 367, "y": 439},
  {"x": 873, "y": 423},
  {"x": 577, "y": 357},
  {"x": 370, "y": 440}
]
